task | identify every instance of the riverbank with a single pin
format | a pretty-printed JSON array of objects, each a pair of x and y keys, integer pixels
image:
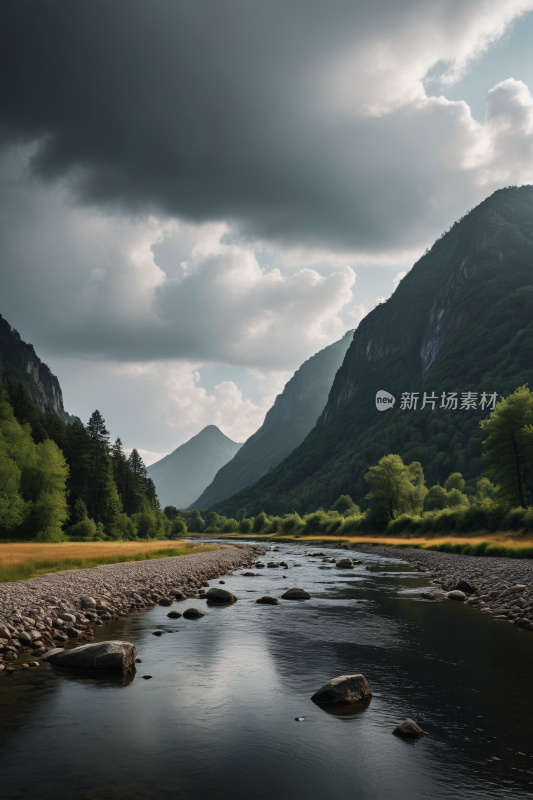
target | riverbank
[
  {"x": 22, "y": 560},
  {"x": 502, "y": 587},
  {"x": 49, "y": 611}
]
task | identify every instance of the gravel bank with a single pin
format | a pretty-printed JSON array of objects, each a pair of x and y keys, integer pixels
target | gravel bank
[
  {"x": 502, "y": 587},
  {"x": 63, "y": 607}
]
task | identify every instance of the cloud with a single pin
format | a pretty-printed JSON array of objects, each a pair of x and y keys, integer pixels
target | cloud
[
  {"x": 316, "y": 135},
  {"x": 184, "y": 407}
]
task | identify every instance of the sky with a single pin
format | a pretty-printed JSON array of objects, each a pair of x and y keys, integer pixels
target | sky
[{"x": 197, "y": 197}]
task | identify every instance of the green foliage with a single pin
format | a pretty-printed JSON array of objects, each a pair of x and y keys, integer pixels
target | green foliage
[
  {"x": 394, "y": 487},
  {"x": 246, "y": 525},
  {"x": 177, "y": 528},
  {"x": 346, "y": 506},
  {"x": 455, "y": 481},
  {"x": 508, "y": 446},
  {"x": 260, "y": 522},
  {"x": 196, "y": 523}
]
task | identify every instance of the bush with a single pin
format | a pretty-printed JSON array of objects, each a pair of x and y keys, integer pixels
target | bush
[
  {"x": 84, "y": 529},
  {"x": 245, "y": 525},
  {"x": 177, "y": 528}
]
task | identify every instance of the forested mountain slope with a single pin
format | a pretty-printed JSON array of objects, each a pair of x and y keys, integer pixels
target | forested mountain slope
[
  {"x": 287, "y": 423},
  {"x": 182, "y": 476},
  {"x": 19, "y": 359},
  {"x": 460, "y": 321}
]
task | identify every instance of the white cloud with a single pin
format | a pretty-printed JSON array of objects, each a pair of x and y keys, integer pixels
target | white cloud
[{"x": 397, "y": 278}]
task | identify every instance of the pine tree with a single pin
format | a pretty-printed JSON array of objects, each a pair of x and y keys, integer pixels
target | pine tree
[{"x": 99, "y": 438}]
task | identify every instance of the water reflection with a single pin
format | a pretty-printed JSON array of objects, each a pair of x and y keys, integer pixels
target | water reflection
[{"x": 218, "y": 716}]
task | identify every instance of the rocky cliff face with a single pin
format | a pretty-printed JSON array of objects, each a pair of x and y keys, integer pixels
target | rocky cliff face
[
  {"x": 20, "y": 359},
  {"x": 460, "y": 321},
  {"x": 415, "y": 324},
  {"x": 287, "y": 423}
]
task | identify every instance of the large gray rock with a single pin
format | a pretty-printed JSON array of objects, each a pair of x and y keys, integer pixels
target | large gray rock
[
  {"x": 409, "y": 730},
  {"x": 215, "y": 595},
  {"x": 344, "y": 563},
  {"x": 296, "y": 594},
  {"x": 344, "y": 689},
  {"x": 113, "y": 655}
]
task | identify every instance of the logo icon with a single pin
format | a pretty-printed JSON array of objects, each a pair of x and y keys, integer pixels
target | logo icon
[{"x": 384, "y": 400}]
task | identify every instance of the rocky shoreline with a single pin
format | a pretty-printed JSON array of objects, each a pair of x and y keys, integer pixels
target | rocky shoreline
[
  {"x": 62, "y": 608},
  {"x": 500, "y": 587}
]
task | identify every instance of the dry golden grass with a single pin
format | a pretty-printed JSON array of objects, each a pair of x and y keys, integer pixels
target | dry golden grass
[
  {"x": 19, "y": 561},
  {"x": 18, "y": 553}
]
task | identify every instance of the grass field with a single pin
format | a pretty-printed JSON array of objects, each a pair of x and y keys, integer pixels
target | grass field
[
  {"x": 19, "y": 561},
  {"x": 510, "y": 545}
]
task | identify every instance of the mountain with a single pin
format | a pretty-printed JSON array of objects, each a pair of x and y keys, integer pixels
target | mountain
[
  {"x": 287, "y": 423},
  {"x": 183, "y": 474},
  {"x": 19, "y": 359},
  {"x": 460, "y": 321}
]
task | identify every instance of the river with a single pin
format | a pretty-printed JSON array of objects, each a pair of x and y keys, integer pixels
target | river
[{"x": 217, "y": 718}]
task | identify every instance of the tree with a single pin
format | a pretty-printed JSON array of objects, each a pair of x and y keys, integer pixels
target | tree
[
  {"x": 196, "y": 524},
  {"x": 455, "y": 481},
  {"x": 346, "y": 506},
  {"x": 99, "y": 438},
  {"x": 508, "y": 446},
  {"x": 393, "y": 485},
  {"x": 436, "y": 498}
]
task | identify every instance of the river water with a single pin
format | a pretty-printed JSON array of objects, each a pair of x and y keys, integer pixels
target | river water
[{"x": 217, "y": 719}]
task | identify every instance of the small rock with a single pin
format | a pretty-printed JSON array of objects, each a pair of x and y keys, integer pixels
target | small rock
[
  {"x": 299, "y": 719},
  {"x": 273, "y": 565},
  {"x": 296, "y": 594},
  {"x": 158, "y": 633},
  {"x": 220, "y": 596},
  {"x": 248, "y": 575},
  {"x": 87, "y": 602},
  {"x": 25, "y": 666},
  {"x": 73, "y": 633},
  {"x": 34, "y": 663},
  {"x": 147, "y": 677},
  {"x": 4, "y": 632},
  {"x": 268, "y": 601},
  {"x": 344, "y": 689},
  {"x": 465, "y": 586},
  {"x": 455, "y": 594},
  {"x": 165, "y": 601},
  {"x": 409, "y": 730},
  {"x": 138, "y": 661},
  {"x": 177, "y": 595},
  {"x": 68, "y": 618},
  {"x": 193, "y": 613},
  {"x": 174, "y": 614},
  {"x": 222, "y": 581}
]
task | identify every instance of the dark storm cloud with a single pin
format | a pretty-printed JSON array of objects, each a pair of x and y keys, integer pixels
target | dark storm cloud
[{"x": 238, "y": 110}]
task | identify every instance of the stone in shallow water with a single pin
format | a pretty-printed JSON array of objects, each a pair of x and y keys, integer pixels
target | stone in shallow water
[
  {"x": 193, "y": 613},
  {"x": 268, "y": 601},
  {"x": 344, "y": 689},
  {"x": 465, "y": 586},
  {"x": 220, "y": 596},
  {"x": 165, "y": 601},
  {"x": 112, "y": 655},
  {"x": 296, "y": 594},
  {"x": 409, "y": 730},
  {"x": 174, "y": 614}
]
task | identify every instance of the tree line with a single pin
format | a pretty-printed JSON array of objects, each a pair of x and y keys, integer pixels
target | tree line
[{"x": 59, "y": 478}]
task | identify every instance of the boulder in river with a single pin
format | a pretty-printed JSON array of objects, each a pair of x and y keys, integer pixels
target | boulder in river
[
  {"x": 296, "y": 594},
  {"x": 344, "y": 563},
  {"x": 273, "y": 565},
  {"x": 193, "y": 613},
  {"x": 267, "y": 600},
  {"x": 112, "y": 655},
  {"x": 248, "y": 574},
  {"x": 342, "y": 690},
  {"x": 174, "y": 614},
  {"x": 409, "y": 730},
  {"x": 455, "y": 594},
  {"x": 215, "y": 595},
  {"x": 165, "y": 601}
]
